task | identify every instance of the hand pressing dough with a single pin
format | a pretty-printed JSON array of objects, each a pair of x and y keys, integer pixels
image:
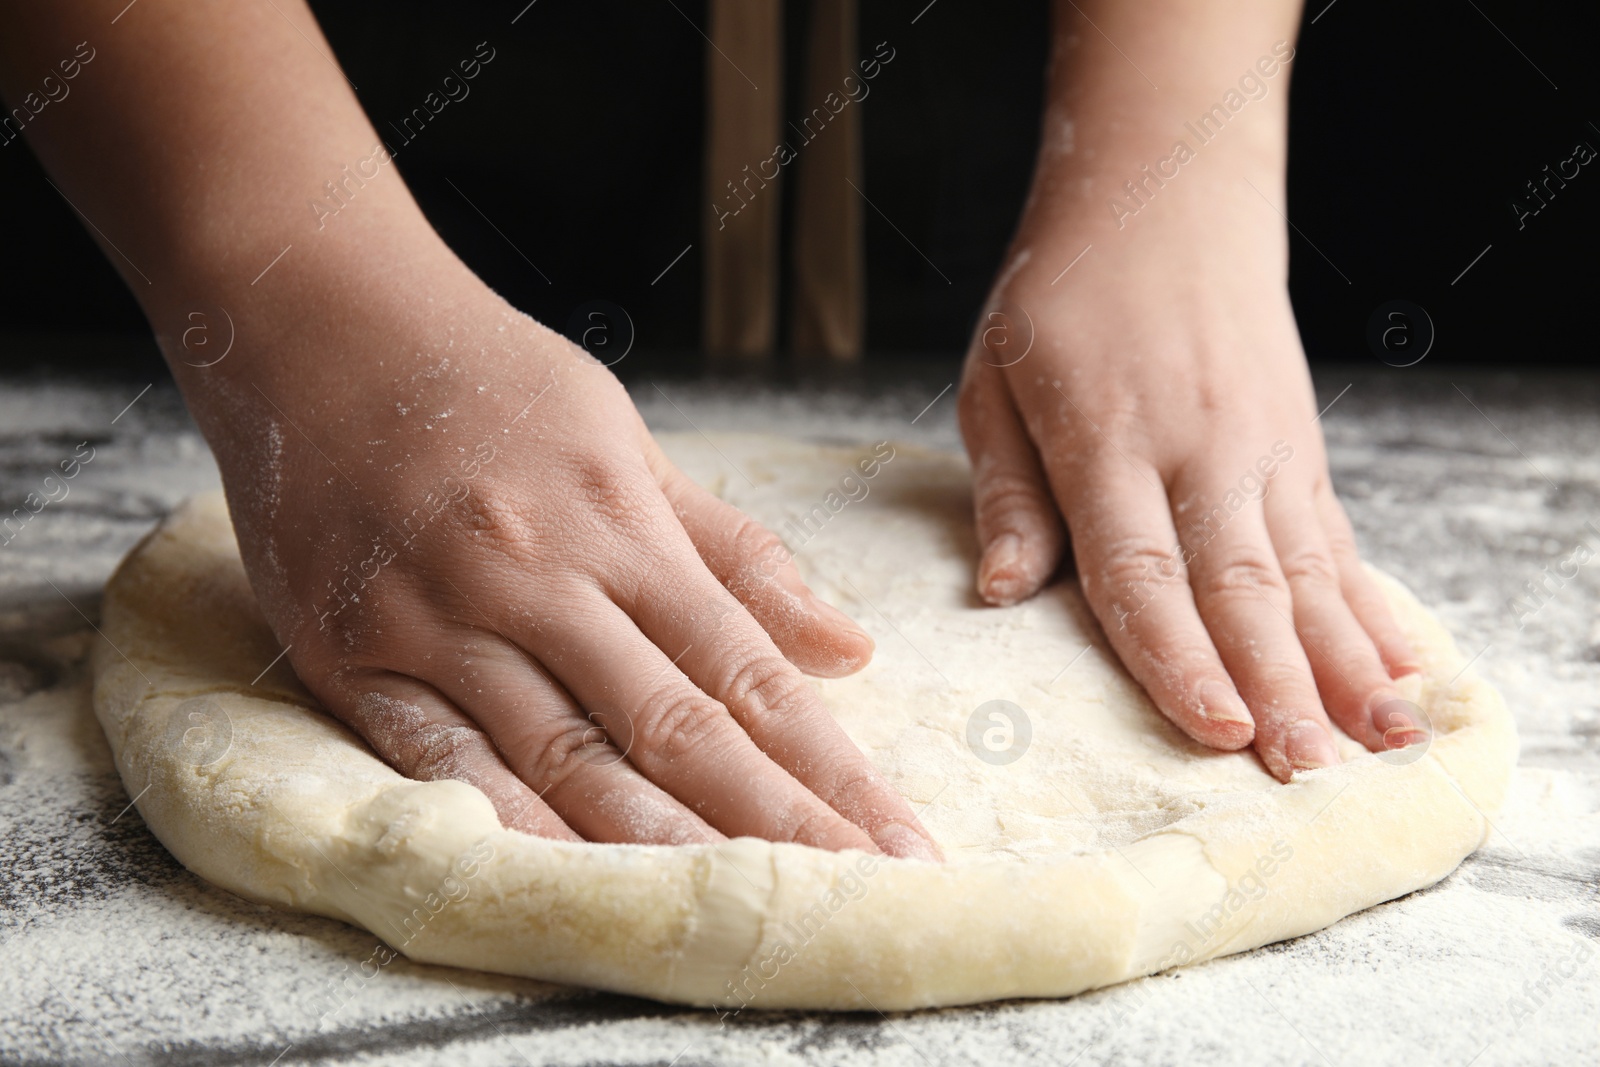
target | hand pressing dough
[{"x": 1088, "y": 840}]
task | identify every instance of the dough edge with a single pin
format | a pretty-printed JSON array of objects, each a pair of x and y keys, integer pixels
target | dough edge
[{"x": 750, "y": 922}]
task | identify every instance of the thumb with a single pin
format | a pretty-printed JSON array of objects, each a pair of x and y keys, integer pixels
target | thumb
[{"x": 1021, "y": 536}]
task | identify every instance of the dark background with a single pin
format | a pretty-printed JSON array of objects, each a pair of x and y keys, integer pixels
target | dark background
[{"x": 1413, "y": 128}]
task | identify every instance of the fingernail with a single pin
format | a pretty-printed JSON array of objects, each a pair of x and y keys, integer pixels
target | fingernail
[
  {"x": 998, "y": 579},
  {"x": 1392, "y": 720},
  {"x": 1404, "y": 736},
  {"x": 832, "y": 615},
  {"x": 898, "y": 839},
  {"x": 1219, "y": 703},
  {"x": 1377, "y": 708},
  {"x": 1310, "y": 747}
]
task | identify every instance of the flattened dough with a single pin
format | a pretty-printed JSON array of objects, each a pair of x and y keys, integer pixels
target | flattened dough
[{"x": 1110, "y": 848}]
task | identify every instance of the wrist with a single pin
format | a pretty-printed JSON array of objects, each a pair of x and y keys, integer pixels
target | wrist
[
  {"x": 335, "y": 332},
  {"x": 1113, "y": 145},
  {"x": 1187, "y": 201}
]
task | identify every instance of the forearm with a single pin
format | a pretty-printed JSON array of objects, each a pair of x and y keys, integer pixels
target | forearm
[
  {"x": 195, "y": 144},
  {"x": 1145, "y": 104}
]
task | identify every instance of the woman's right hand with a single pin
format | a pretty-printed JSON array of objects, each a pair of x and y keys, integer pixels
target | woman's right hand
[{"x": 483, "y": 564}]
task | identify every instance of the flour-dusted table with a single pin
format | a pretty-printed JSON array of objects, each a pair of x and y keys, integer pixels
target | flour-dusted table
[{"x": 1467, "y": 488}]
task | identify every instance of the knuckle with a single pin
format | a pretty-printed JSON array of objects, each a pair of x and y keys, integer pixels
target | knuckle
[
  {"x": 1246, "y": 572},
  {"x": 451, "y": 505},
  {"x": 488, "y": 511},
  {"x": 764, "y": 557},
  {"x": 1342, "y": 544},
  {"x": 1117, "y": 427},
  {"x": 1211, "y": 398},
  {"x": 808, "y": 823},
  {"x": 1132, "y": 576},
  {"x": 764, "y": 682},
  {"x": 854, "y": 792},
  {"x": 1005, "y": 492},
  {"x": 436, "y": 751},
  {"x": 560, "y": 752},
  {"x": 678, "y": 724},
  {"x": 1112, "y": 425},
  {"x": 1311, "y": 568},
  {"x": 614, "y": 490},
  {"x": 494, "y": 518},
  {"x": 1130, "y": 564},
  {"x": 753, "y": 539}
]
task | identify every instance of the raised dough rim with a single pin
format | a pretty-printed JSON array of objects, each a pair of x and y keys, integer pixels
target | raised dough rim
[{"x": 706, "y": 925}]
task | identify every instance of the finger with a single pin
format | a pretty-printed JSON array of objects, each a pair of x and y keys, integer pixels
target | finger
[
  {"x": 753, "y": 564},
  {"x": 1135, "y": 580},
  {"x": 568, "y": 758},
  {"x": 1351, "y": 677},
  {"x": 1021, "y": 537},
  {"x": 731, "y": 658},
  {"x": 1244, "y": 600},
  {"x": 423, "y": 736},
  {"x": 681, "y": 739},
  {"x": 1366, "y": 600}
]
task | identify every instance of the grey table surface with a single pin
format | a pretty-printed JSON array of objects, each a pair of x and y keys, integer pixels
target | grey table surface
[{"x": 1466, "y": 488}]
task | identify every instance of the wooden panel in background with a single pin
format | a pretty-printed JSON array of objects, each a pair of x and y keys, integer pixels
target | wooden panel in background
[
  {"x": 744, "y": 105},
  {"x": 828, "y": 304}
]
